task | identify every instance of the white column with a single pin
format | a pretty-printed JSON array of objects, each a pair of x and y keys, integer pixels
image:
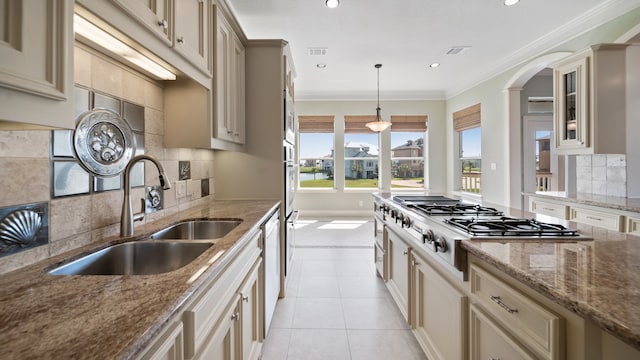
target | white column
[{"x": 514, "y": 178}]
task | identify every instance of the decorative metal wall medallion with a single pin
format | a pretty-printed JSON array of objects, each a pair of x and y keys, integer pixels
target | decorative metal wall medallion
[
  {"x": 103, "y": 142},
  {"x": 23, "y": 227},
  {"x": 153, "y": 199}
]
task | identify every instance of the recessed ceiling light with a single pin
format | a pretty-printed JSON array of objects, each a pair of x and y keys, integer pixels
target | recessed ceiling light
[
  {"x": 510, "y": 2},
  {"x": 331, "y": 4},
  {"x": 434, "y": 65},
  {"x": 321, "y": 66}
]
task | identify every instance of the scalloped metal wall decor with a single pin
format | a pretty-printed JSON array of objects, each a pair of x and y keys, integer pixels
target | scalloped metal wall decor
[{"x": 23, "y": 227}]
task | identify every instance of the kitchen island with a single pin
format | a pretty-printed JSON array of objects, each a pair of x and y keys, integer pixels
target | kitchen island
[
  {"x": 556, "y": 297},
  {"x": 114, "y": 317}
]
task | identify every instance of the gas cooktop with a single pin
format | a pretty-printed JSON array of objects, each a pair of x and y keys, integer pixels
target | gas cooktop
[{"x": 506, "y": 226}]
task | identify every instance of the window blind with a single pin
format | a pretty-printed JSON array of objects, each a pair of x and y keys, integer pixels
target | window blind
[
  {"x": 467, "y": 118},
  {"x": 408, "y": 123},
  {"x": 357, "y": 124},
  {"x": 316, "y": 123}
]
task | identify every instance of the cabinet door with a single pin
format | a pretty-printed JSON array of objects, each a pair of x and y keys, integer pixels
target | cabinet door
[
  {"x": 251, "y": 314},
  {"x": 224, "y": 343},
  {"x": 440, "y": 313},
  {"x": 222, "y": 79},
  {"x": 238, "y": 90},
  {"x": 36, "y": 71},
  {"x": 169, "y": 346},
  {"x": 398, "y": 283},
  {"x": 191, "y": 29},
  {"x": 490, "y": 341},
  {"x": 571, "y": 85},
  {"x": 157, "y": 15}
]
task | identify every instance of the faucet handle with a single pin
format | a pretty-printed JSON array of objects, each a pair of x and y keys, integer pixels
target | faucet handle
[{"x": 140, "y": 216}]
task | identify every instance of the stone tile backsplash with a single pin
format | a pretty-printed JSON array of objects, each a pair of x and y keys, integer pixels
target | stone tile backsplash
[
  {"x": 75, "y": 221},
  {"x": 602, "y": 174}
]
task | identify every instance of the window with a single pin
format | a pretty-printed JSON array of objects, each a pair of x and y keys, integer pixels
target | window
[
  {"x": 316, "y": 165},
  {"x": 467, "y": 123},
  {"x": 470, "y": 160},
  {"x": 407, "y": 151},
  {"x": 360, "y": 153}
]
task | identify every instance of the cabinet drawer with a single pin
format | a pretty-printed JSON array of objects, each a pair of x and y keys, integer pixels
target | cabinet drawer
[
  {"x": 490, "y": 341},
  {"x": 527, "y": 321},
  {"x": 548, "y": 208},
  {"x": 633, "y": 225},
  {"x": 597, "y": 218}
]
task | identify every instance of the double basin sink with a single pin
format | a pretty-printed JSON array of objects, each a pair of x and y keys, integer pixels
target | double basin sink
[{"x": 166, "y": 250}]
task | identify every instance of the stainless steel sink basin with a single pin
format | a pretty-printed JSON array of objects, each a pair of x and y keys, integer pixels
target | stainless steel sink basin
[
  {"x": 136, "y": 258},
  {"x": 197, "y": 230}
]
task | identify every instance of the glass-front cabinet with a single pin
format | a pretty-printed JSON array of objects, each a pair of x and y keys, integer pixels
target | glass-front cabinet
[
  {"x": 591, "y": 92},
  {"x": 571, "y": 103}
]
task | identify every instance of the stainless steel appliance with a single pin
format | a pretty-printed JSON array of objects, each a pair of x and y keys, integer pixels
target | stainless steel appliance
[
  {"x": 290, "y": 171},
  {"x": 439, "y": 223},
  {"x": 271, "y": 248}
]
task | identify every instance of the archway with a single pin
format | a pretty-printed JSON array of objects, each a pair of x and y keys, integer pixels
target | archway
[{"x": 513, "y": 113}]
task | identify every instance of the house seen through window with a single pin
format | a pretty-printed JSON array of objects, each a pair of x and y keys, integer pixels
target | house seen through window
[{"x": 316, "y": 156}]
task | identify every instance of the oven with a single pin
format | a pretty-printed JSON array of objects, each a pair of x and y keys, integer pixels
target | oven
[{"x": 290, "y": 169}]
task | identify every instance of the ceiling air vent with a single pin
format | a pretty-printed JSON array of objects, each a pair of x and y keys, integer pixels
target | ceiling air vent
[
  {"x": 317, "y": 51},
  {"x": 457, "y": 50}
]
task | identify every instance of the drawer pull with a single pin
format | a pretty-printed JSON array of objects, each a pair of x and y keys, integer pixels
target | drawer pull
[
  {"x": 548, "y": 209},
  {"x": 235, "y": 316},
  {"x": 498, "y": 300},
  {"x": 594, "y": 218}
]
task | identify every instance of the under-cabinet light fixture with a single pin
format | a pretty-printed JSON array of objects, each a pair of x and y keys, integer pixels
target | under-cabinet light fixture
[
  {"x": 511, "y": 2},
  {"x": 332, "y": 4},
  {"x": 93, "y": 33},
  {"x": 378, "y": 125}
]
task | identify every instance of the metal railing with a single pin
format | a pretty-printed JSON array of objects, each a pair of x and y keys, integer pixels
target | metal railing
[
  {"x": 543, "y": 181},
  {"x": 471, "y": 182}
]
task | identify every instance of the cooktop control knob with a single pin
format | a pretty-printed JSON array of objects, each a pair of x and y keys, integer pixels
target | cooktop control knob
[
  {"x": 427, "y": 238},
  {"x": 406, "y": 222},
  {"x": 439, "y": 244}
]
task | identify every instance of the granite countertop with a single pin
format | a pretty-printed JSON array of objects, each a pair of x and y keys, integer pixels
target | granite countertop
[
  {"x": 110, "y": 317},
  {"x": 610, "y": 202},
  {"x": 603, "y": 285}
]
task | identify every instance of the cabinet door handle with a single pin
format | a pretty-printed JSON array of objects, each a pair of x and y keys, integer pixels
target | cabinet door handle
[
  {"x": 235, "y": 316},
  {"x": 414, "y": 262},
  {"x": 245, "y": 298},
  {"x": 180, "y": 40},
  {"x": 498, "y": 300},
  {"x": 163, "y": 24},
  {"x": 405, "y": 252}
]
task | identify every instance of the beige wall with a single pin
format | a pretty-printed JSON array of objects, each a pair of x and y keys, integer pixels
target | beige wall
[{"x": 25, "y": 167}]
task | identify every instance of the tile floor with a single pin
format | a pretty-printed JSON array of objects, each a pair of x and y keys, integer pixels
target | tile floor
[{"x": 335, "y": 305}]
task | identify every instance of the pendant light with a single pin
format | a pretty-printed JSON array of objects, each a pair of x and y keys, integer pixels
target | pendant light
[{"x": 378, "y": 125}]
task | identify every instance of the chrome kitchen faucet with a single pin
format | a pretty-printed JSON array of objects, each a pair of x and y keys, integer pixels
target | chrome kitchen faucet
[{"x": 128, "y": 217}]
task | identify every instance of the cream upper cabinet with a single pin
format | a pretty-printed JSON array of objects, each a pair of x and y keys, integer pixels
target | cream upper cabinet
[
  {"x": 238, "y": 90},
  {"x": 590, "y": 91},
  {"x": 36, "y": 72},
  {"x": 191, "y": 31},
  {"x": 229, "y": 114},
  {"x": 157, "y": 15}
]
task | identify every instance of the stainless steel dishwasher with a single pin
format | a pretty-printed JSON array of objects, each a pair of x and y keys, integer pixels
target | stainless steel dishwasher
[{"x": 271, "y": 255}]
